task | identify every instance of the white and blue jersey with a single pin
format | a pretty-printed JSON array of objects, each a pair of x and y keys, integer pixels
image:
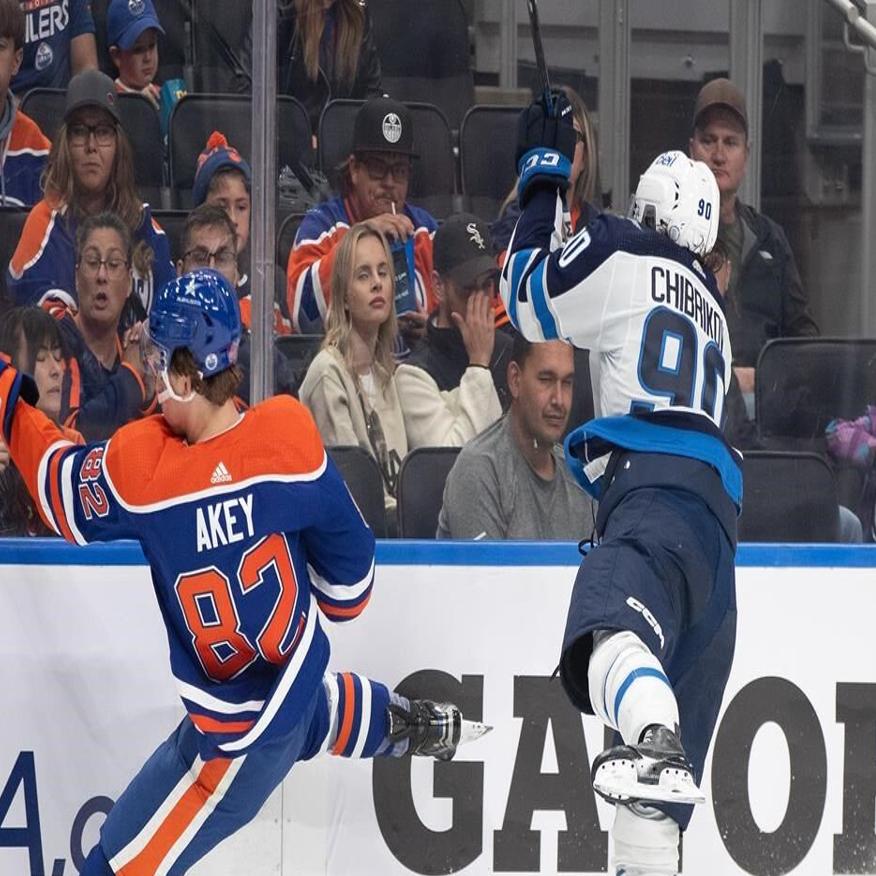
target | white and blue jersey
[{"x": 651, "y": 316}]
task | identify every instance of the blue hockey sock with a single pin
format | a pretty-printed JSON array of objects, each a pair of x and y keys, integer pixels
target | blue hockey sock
[{"x": 358, "y": 720}]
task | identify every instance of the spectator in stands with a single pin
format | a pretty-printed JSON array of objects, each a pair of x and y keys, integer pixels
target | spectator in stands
[
  {"x": 453, "y": 385},
  {"x": 31, "y": 340},
  {"x": 223, "y": 179},
  {"x": 210, "y": 241},
  {"x": 59, "y": 43},
  {"x": 583, "y": 195},
  {"x": 325, "y": 50},
  {"x": 765, "y": 298},
  {"x": 350, "y": 385},
  {"x": 511, "y": 482},
  {"x": 90, "y": 171},
  {"x": 132, "y": 32},
  {"x": 374, "y": 188},
  {"x": 23, "y": 146},
  {"x": 107, "y": 386}
]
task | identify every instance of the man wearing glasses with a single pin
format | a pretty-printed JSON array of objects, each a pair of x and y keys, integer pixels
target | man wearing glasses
[
  {"x": 374, "y": 187},
  {"x": 454, "y": 385}
]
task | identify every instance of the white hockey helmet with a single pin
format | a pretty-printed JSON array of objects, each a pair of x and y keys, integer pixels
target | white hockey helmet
[{"x": 679, "y": 197}]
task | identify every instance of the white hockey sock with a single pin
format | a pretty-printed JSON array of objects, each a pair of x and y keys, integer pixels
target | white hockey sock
[
  {"x": 645, "y": 841},
  {"x": 628, "y": 688}
]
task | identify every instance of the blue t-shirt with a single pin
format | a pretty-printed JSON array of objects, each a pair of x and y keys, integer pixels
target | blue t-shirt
[{"x": 50, "y": 26}]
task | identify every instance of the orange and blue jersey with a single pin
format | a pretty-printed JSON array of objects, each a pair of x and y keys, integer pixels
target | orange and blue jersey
[
  {"x": 308, "y": 273},
  {"x": 94, "y": 399},
  {"x": 45, "y": 259},
  {"x": 249, "y": 541},
  {"x": 24, "y": 156}
]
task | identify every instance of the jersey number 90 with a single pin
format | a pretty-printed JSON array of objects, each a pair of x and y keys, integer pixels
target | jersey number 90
[{"x": 670, "y": 362}]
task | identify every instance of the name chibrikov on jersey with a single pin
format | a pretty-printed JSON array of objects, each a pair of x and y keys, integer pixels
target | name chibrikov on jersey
[{"x": 672, "y": 287}]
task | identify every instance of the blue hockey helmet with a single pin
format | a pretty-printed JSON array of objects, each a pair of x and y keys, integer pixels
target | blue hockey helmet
[{"x": 199, "y": 312}]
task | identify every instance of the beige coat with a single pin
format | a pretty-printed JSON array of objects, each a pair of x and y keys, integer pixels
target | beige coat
[{"x": 329, "y": 391}]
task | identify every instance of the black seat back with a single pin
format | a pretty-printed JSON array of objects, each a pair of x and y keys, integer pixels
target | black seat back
[
  {"x": 788, "y": 497},
  {"x": 801, "y": 384},
  {"x": 421, "y": 490},
  {"x": 12, "y": 220},
  {"x": 362, "y": 474},
  {"x": 298, "y": 351},
  {"x": 486, "y": 152}
]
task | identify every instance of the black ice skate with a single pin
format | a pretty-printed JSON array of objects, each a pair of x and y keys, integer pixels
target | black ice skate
[
  {"x": 654, "y": 771},
  {"x": 433, "y": 729}
]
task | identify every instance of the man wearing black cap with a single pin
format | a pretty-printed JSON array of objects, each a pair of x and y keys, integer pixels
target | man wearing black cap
[
  {"x": 374, "y": 187},
  {"x": 454, "y": 384},
  {"x": 765, "y": 298}
]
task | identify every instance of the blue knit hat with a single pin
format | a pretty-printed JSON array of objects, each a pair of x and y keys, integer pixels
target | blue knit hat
[{"x": 217, "y": 155}]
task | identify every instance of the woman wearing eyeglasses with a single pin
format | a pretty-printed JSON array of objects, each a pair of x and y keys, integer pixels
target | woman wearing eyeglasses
[
  {"x": 350, "y": 385},
  {"x": 90, "y": 170},
  {"x": 105, "y": 385}
]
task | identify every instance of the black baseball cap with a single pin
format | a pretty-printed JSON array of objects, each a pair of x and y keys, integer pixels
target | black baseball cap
[
  {"x": 384, "y": 125},
  {"x": 463, "y": 249},
  {"x": 92, "y": 88}
]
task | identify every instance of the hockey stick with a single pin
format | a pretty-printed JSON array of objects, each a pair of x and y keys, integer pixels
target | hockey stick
[{"x": 535, "y": 27}]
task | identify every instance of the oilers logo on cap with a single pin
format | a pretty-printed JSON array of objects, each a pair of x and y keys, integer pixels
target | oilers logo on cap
[
  {"x": 392, "y": 128},
  {"x": 136, "y": 7}
]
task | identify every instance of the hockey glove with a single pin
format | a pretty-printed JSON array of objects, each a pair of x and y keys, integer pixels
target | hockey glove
[
  {"x": 12, "y": 386},
  {"x": 545, "y": 146}
]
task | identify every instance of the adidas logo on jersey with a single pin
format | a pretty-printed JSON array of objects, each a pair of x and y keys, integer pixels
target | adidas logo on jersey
[{"x": 220, "y": 475}]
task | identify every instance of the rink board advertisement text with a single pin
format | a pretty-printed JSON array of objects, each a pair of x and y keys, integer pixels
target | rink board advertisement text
[{"x": 791, "y": 777}]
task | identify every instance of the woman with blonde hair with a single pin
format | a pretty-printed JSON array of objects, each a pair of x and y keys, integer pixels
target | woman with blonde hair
[
  {"x": 350, "y": 385},
  {"x": 325, "y": 50},
  {"x": 90, "y": 171}
]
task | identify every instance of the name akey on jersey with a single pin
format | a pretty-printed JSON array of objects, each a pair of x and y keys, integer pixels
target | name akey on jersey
[{"x": 221, "y": 523}]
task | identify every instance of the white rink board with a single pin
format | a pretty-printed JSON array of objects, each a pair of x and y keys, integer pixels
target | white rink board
[{"x": 87, "y": 690}]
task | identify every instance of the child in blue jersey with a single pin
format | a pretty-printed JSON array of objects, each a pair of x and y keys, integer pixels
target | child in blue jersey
[
  {"x": 250, "y": 543},
  {"x": 651, "y": 627}
]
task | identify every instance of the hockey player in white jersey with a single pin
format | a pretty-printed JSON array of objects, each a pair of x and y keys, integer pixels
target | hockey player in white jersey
[{"x": 651, "y": 628}]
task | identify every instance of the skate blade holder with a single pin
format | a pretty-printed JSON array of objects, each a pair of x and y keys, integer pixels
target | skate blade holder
[{"x": 619, "y": 781}]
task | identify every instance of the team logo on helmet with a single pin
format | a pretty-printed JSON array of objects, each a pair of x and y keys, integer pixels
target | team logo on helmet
[
  {"x": 136, "y": 7},
  {"x": 392, "y": 128},
  {"x": 211, "y": 362}
]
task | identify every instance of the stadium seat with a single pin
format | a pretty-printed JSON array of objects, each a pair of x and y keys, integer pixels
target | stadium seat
[
  {"x": 285, "y": 238},
  {"x": 433, "y": 180},
  {"x": 788, "y": 497},
  {"x": 298, "y": 350},
  {"x": 219, "y": 30},
  {"x": 139, "y": 120},
  {"x": 486, "y": 154},
  {"x": 196, "y": 116},
  {"x": 143, "y": 127},
  {"x": 421, "y": 490},
  {"x": 362, "y": 474},
  {"x": 173, "y": 222},
  {"x": 46, "y": 107},
  {"x": 429, "y": 61},
  {"x": 12, "y": 220},
  {"x": 801, "y": 384}
]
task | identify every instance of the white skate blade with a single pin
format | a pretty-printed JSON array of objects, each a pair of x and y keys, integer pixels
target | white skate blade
[
  {"x": 618, "y": 780},
  {"x": 469, "y": 731}
]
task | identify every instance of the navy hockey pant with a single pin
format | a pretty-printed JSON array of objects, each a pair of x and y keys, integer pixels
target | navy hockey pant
[{"x": 179, "y": 807}]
